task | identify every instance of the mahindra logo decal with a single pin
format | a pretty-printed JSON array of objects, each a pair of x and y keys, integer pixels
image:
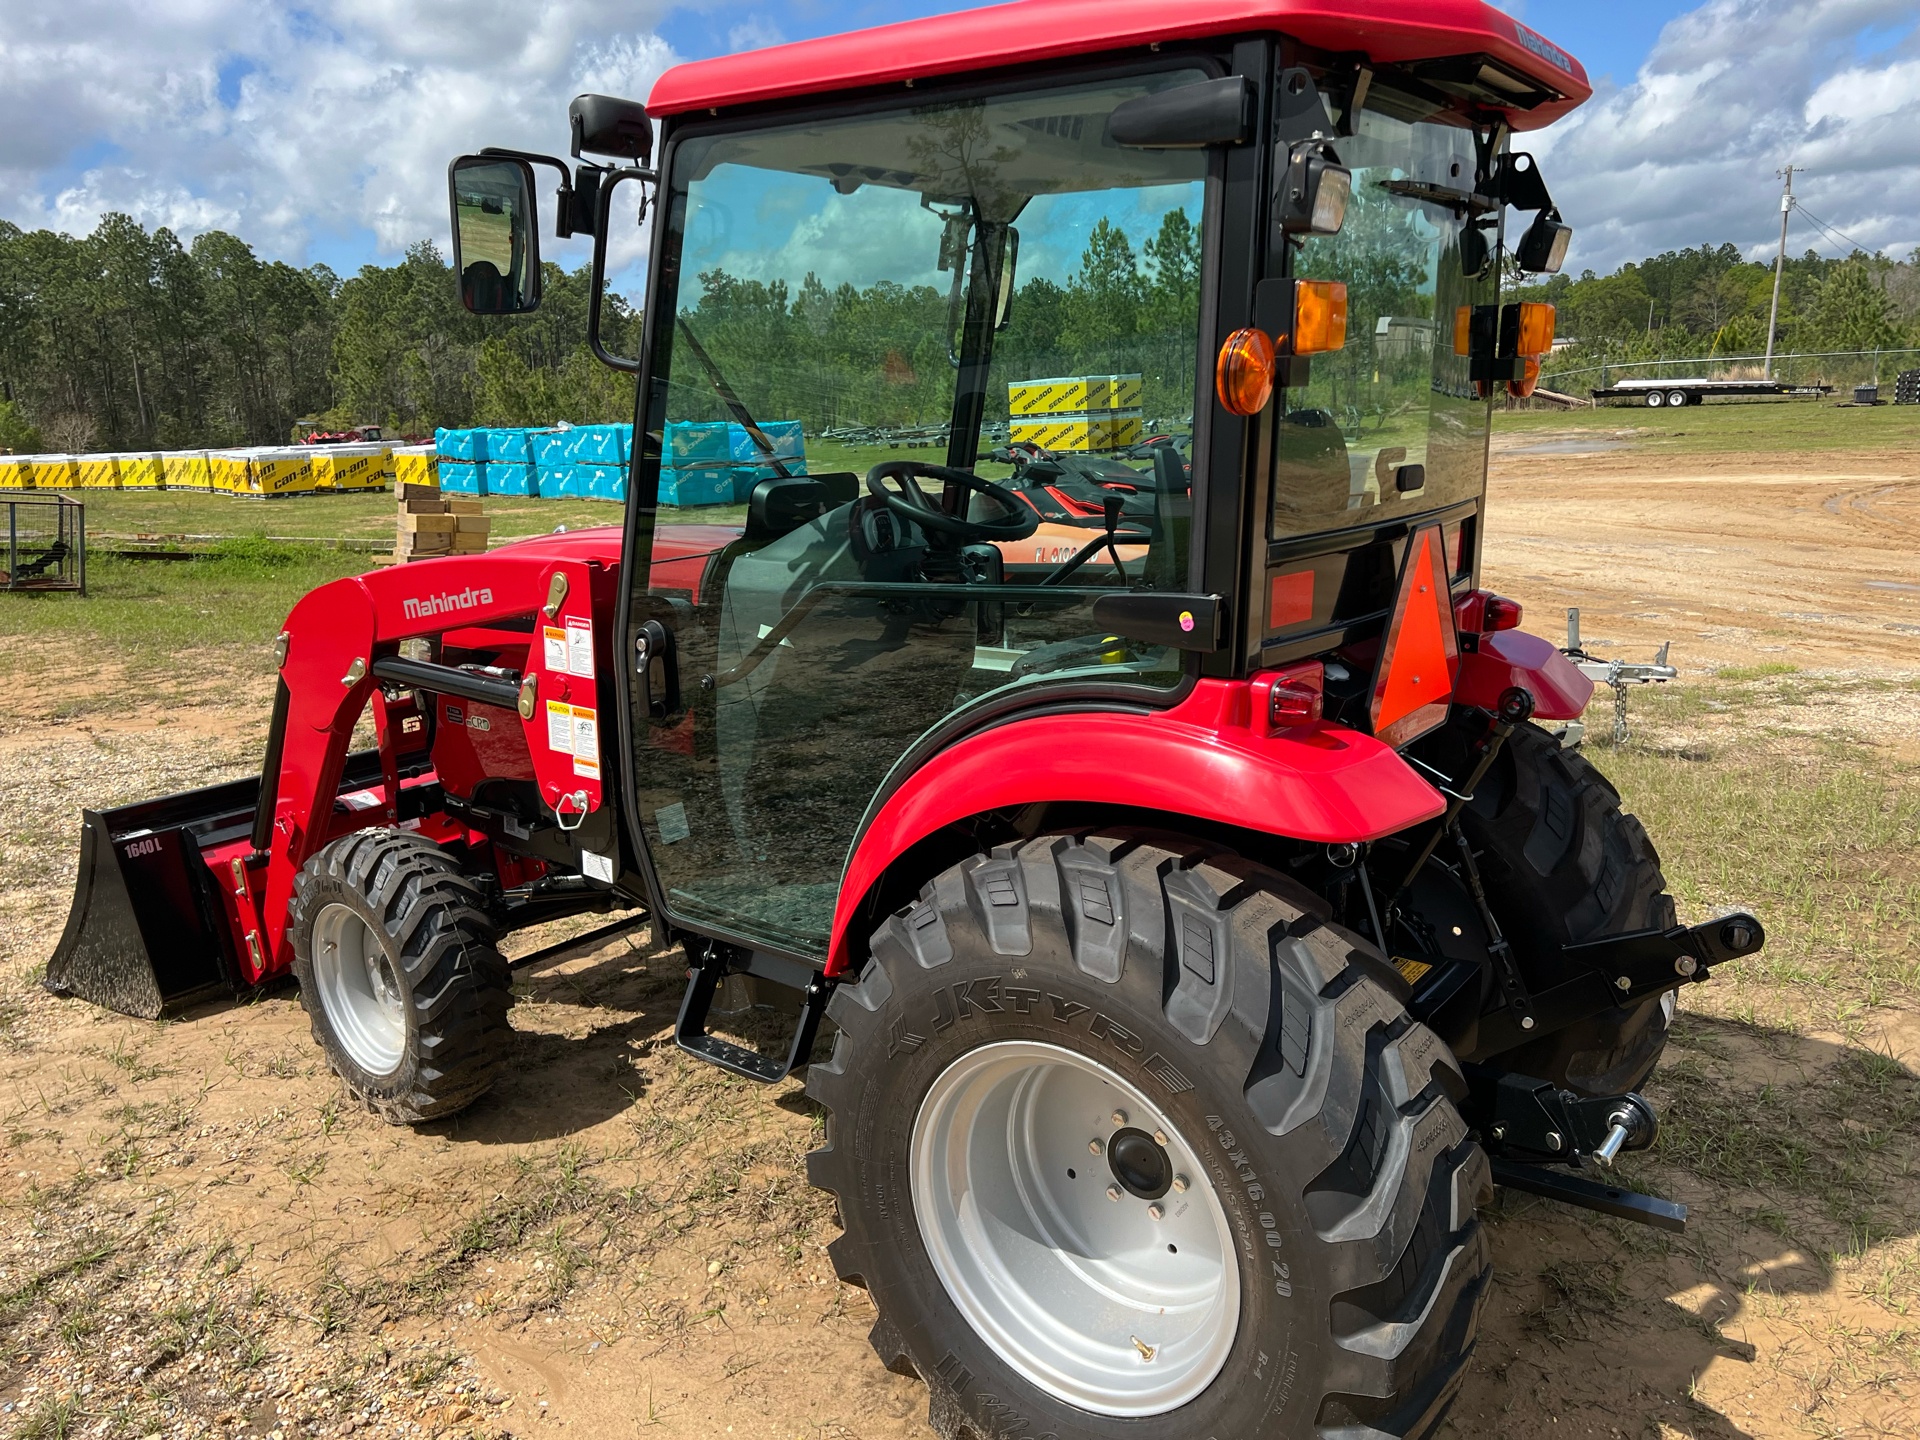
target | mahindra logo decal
[{"x": 428, "y": 606}]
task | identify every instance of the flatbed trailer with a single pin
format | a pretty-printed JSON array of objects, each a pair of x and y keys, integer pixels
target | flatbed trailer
[{"x": 1657, "y": 393}]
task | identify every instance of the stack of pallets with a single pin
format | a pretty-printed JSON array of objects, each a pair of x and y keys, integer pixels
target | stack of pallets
[{"x": 432, "y": 522}]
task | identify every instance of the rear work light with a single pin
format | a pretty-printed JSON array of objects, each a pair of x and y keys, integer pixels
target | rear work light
[
  {"x": 1481, "y": 612},
  {"x": 1243, "y": 377},
  {"x": 1414, "y": 679},
  {"x": 1292, "y": 697}
]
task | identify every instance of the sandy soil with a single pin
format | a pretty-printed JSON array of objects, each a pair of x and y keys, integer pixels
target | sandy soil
[
  {"x": 197, "y": 1236},
  {"x": 1737, "y": 559}
]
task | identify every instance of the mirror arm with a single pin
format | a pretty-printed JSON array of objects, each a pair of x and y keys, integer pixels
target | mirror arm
[{"x": 598, "y": 283}]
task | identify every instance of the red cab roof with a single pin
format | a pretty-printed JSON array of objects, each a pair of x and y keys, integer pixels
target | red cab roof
[{"x": 1034, "y": 31}]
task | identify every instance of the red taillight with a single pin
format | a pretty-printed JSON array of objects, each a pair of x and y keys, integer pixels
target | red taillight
[
  {"x": 1414, "y": 681},
  {"x": 1481, "y": 612},
  {"x": 1290, "y": 697}
]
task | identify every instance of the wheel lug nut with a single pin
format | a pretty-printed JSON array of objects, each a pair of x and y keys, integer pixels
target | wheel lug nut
[
  {"x": 1160, "y": 1137},
  {"x": 1180, "y": 1183},
  {"x": 1094, "y": 1147},
  {"x": 1113, "y": 1192},
  {"x": 1156, "y": 1212},
  {"x": 1119, "y": 1117}
]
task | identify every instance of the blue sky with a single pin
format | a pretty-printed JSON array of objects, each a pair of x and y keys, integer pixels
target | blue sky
[{"x": 319, "y": 130}]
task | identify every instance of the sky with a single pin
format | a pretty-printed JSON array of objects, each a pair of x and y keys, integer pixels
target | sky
[{"x": 319, "y": 130}]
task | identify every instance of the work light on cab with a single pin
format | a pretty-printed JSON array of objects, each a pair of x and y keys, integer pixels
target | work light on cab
[
  {"x": 1543, "y": 249},
  {"x": 1315, "y": 193}
]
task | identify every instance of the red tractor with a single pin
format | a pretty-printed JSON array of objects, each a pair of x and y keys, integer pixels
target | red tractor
[{"x": 1161, "y": 827}]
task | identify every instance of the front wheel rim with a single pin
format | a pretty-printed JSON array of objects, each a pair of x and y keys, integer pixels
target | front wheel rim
[
  {"x": 364, "y": 1002},
  {"x": 1096, "y": 1301}
]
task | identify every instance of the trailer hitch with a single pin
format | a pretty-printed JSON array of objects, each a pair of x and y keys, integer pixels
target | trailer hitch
[{"x": 1527, "y": 1125}]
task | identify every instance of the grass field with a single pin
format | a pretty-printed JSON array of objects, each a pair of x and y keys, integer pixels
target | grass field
[{"x": 1771, "y": 426}]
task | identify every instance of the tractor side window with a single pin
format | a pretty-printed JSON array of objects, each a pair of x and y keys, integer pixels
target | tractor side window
[
  {"x": 1391, "y": 424},
  {"x": 926, "y": 394}
]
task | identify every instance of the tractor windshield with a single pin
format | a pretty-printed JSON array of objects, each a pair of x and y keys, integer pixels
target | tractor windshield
[
  {"x": 989, "y": 286},
  {"x": 1390, "y": 425}
]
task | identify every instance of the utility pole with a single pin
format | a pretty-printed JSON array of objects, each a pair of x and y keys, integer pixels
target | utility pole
[{"x": 1779, "y": 264}]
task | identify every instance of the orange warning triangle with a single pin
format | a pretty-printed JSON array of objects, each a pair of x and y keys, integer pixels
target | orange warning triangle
[{"x": 1414, "y": 682}]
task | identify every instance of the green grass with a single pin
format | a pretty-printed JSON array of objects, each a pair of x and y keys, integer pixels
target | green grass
[
  {"x": 177, "y": 619},
  {"x": 1744, "y": 426}
]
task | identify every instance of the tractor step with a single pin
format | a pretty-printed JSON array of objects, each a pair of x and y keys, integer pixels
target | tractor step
[{"x": 712, "y": 965}]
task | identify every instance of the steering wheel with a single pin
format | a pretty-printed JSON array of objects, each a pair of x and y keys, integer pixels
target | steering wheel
[{"x": 908, "y": 501}]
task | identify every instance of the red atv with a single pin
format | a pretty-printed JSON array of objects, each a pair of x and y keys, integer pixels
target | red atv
[{"x": 1204, "y": 924}]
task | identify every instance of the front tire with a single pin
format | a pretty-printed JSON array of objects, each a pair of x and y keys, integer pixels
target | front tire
[
  {"x": 399, "y": 974},
  {"x": 1189, "y": 1016}
]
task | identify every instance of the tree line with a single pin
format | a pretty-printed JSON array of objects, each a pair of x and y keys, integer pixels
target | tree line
[
  {"x": 126, "y": 339},
  {"x": 1711, "y": 301}
]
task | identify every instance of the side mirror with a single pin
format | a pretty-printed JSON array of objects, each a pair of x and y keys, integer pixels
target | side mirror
[
  {"x": 496, "y": 234},
  {"x": 608, "y": 125},
  {"x": 1187, "y": 117}
]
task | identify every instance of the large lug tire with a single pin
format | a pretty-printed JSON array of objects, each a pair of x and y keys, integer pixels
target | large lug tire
[
  {"x": 1322, "y": 1270},
  {"x": 1563, "y": 863},
  {"x": 399, "y": 974}
]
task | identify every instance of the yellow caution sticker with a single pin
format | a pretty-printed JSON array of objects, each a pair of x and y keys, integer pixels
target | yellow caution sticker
[{"x": 1411, "y": 970}]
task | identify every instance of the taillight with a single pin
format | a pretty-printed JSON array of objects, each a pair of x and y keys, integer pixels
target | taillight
[
  {"x": 1481, "y": 612},
  {"x": 1244, "y": 375},
  {"x": 1294, "y": 696},
  {"x": 1414, "y": 681}
]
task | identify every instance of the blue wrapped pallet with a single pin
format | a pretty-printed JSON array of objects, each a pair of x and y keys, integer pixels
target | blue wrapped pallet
[
  {"x": 549, "y": 447},
  {"x": 599, "y": 444},
  {"x": 606, "y": 482},
  {"x": 784, "y": 435},
  {"x": 721, "y": 442},
  {"x": 462, "y": 477},
  {"x": 511, "y": 446},
  {"x": 501, "y": 477},
  {"x": 467, "y": 445},
  {"x": 696, "y": 485}
]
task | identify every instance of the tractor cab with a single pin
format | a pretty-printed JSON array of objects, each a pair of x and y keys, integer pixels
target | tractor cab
[{"x": 954, "y": 351}]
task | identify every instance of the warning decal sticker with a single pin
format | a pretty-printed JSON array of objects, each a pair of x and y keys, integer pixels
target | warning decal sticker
[{"x": 555, "y": 649}]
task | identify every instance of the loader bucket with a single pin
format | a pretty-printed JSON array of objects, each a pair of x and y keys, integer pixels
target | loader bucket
[{"x": 146, "y": 935}]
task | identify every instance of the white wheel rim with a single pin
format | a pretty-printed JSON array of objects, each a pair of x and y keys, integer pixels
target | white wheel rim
[
  {"x": 1655, "y": 399},
  {"x": 359, "y": 991},
  {"x": 1676, "y": 399},
  {"x": 1091, "y": 1299}
]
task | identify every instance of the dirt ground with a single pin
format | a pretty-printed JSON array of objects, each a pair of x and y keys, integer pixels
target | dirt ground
[{"x": 200, "y": 1236}]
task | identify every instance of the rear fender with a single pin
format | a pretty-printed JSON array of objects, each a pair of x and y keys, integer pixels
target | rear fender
[
  {"x": 1505, "y": 658},
  {"x": 1204, "y": 758}
]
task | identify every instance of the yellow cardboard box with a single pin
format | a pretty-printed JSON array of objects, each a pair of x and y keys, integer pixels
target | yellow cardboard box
[
  {"x": 414, "y": 465},
  {"x": 1092, "y": 433},
  {"x": 1073, "y": 395},
  {"x": 228, "y": 470},
  {"x": 140, "y": 470},
  {"x": 186, "y": 470},
  {"x": 56, "y": 472},
  {"x": 16, "y": 472},
  {"x": 279, "y": 470},
  {"x": 99, "y": 472},
  {"x": 349, "y": 467}
]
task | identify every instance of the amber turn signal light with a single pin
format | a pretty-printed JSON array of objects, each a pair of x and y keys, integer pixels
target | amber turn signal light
[
  {"x": 1463, "y": 330},
  {"x": 1244, "y": 375},
  {"x": 1536, "y": 329},
  {"x": 1319, "y": 317}
]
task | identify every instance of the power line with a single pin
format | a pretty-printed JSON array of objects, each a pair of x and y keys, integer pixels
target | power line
[{"x": 1822, "y": 225}]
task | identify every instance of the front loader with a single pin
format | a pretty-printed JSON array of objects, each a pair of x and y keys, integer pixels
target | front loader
[{"x": 1143, "y": 787}]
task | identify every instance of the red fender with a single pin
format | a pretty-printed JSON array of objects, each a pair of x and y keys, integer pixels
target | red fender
[
  {"x": 1201, "y": 758},
  {"x": 1512, "y": 657}
]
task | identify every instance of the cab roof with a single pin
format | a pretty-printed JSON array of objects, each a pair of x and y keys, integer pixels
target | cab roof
[{"x": 1387, "y": 32}]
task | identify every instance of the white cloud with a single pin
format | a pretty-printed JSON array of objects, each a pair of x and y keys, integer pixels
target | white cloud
[
  {"x": 1732, "y": 92},
  {"x": 292, "y": 124}
]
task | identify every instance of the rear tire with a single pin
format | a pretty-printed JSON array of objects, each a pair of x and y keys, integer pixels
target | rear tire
[
  {"x": 399, "y": 974},
  {"x": 1678, "y": 399},
  {"x": 1267, "y": 1052},
  {"x": 1655, "y": 399},
  {"x": 1563, "y": 863}
]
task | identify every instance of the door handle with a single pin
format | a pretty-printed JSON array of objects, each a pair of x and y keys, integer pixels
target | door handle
[{"x": 656, "y": 664}]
